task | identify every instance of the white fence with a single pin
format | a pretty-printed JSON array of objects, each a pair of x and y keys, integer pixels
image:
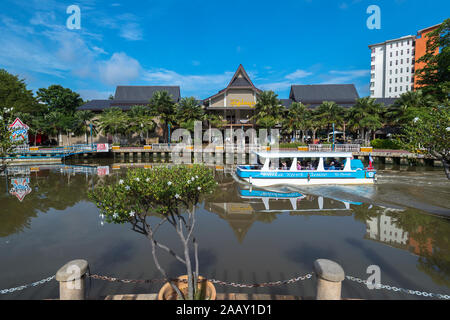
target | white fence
[{"x": 337, "y": 147}]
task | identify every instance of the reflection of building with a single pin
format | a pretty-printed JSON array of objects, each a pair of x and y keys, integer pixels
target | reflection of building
[{"x": 384, "y": 229}]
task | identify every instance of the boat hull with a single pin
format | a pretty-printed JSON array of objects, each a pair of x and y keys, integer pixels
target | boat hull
[
  {"x": 261, "y": 182},
  {"x": 327, "y": 177}
]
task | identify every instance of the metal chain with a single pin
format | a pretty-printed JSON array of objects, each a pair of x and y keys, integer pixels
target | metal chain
[
  {"x": 407, "y": 291},
  {"x": 34, "y": 284},
  {"x": 223, "y": 283}
]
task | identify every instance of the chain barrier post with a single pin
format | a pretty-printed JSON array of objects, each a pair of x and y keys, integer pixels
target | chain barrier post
[
  {"x": 71, "y": 278},
  {"x": 329, "y": 279}
]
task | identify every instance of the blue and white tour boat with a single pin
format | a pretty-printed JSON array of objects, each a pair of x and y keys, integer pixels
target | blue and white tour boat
[{"x": 306, "y": 168}]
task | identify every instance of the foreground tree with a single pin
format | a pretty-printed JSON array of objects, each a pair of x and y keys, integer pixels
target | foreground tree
[
  {"x": 404, "y": 108},
  {"x": 6, "y": 145},
  {"x": 429, "y": 132},
  {"x": 434, "y": 77},
  {"x": 168, "y": 193}
]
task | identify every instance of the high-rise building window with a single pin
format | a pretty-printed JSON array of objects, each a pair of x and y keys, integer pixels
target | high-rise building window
[
  {"x": 391, "y": 63},
  {"x": 401, "y": 61},
  {"x": 396, "y": 53},
  {"x": 401, "y": 52},
  {"x": 396, "y": 71},
  {"x": 395, "y": 89},
  {"x": 401, "y": 70},
  {"x": 373, "y": 67},
  {"x": 372, "y": 92},
  {"x": 407, "y": 60},
  {"x": 396, "y": 62},
  {"x": 373, "y": 59},
  {"x": 407, "y": 69},
  {"x": 390, "y": 72},
  {"x": 391, "y": 54},
  {"x": 408, "y": 51},
  {"x": 401, "y": 79},
  {"x": 390, "y": 89}
]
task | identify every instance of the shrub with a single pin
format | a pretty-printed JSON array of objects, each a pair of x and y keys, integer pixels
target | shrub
[
  {"x": 292, "y": 145},
  {"x": 385, "y": 144}
]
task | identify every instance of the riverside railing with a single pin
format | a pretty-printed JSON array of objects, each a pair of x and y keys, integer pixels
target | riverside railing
[{"x": 328, "y": 275}]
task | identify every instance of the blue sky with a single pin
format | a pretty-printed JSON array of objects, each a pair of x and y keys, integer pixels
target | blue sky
[{"x": 198, "y": 44}]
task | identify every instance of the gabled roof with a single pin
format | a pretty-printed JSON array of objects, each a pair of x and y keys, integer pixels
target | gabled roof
[
  {"x": 144, "y": 93},
  {"x": 245, "y": 81},
  {"x": 316, "y": 94},
  {"x": 237, "y": 82}
]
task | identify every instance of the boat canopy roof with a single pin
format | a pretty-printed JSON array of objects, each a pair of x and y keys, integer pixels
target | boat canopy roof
[{"x": 303, "y": 154}]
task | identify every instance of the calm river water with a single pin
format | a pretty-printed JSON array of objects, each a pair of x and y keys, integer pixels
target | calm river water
[{"x": 400, "y": 224}]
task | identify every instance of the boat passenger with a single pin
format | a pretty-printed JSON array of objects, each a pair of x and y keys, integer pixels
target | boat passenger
[
  {"x": 284, "y": 166},
  {"x": 332, "y": 167},
  {"x": 299, "y": 165}
]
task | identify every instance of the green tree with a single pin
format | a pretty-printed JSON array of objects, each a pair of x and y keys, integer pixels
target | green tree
[
  {"x": 14, "y": 94},
  {"x": 434, "y": 76},
  {"x": 113, "y": 121},
  {"x": 58, "y": 98},
  {"x": 141, "y": 121},
  {"x": 268, "y": 110},
  {"x": 404, "y": 108},
  {"x": 84, "y": 119},
  {"x": 429, "y": 132},
  {"x": 189, "y": 111},
  {"x": 162, "y": 106},
  {"x": 366, "y": 117},
  {"x": 6, "y": 145},
  {"x": 330, "y": 112},
  {"x": 296, "y": 119}
]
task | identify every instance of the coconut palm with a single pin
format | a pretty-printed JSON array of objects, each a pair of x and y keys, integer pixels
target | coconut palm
[
  {"x": 113, "y": 121},
  {"x": 296, "y": 119},
  {"x": 403, "y": 109},
  {"x": 189, "y": 111},
  {"x": 141, "y": 121},
  {"x": 268, "y": 110},
  {"x": 162, "y": 105},
  {"x": 85, "y": 119},
  {"x": 330, "y": 112},
  {"x": 366, "y": 117}
]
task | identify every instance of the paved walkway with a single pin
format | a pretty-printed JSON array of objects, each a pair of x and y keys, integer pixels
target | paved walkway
[{"x": 220, "y": 296}]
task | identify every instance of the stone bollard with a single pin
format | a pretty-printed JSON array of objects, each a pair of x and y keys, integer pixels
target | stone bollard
[
  {"x": 71, "y": 278},
  {"x": 329, "y": 279}
]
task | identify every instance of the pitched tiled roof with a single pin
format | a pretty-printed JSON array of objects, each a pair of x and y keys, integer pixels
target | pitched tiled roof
[
  {"x": 144, "y": 93},
  {"x": 96, "y": 105},
  {"x": 316, "y": 94}
]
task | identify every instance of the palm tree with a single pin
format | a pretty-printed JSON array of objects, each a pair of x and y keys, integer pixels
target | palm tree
[
  {"x": 403, "y": 109},
  {"x": 365, "y": 117},
  {"x": 189, "y": 111},
  {"x": 113, "y": 121},
  {"x": 141, "y": 121},
  {"x": 85, "y": 119},
  {"x": 162, "y": 106},
  {"x": 268, "y": 110},
  {"x": 330, "y": 112},
  {"x": 55, "y": 121},
  {"x": 296, "y": 119}
]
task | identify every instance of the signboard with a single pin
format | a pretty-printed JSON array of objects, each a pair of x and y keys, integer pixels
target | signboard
[
  {"x": 240, "y": 103},
  {"x": 20, "y": 188},
  {"x": 103, "y": 171},
  {"x": 19, "y": 131},
  {"x": 102, "y": 147}
]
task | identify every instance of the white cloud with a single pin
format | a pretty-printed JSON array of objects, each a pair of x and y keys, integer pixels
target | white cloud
[
  {"x": 88, "y": 94},
  {"x": 340, "y": 77},
  {"x": 131, "y": 31},
  {"x": 191, "y": 84},
  {"x": 298, "y": 74},
  {"x": 120, "y": 69}
]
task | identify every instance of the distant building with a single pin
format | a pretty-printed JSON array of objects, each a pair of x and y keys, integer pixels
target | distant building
[
  {"x": 421, "y": 48},
  {"x": 392, "y": 67},
  {"x": 394, "y": 62}
]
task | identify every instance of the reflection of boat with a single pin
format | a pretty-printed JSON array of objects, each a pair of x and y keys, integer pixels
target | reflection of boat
[
  {"x": 294, "y": 198},
  {"x": 265, "y": 196},
  {"x": 353, "y": 171}
]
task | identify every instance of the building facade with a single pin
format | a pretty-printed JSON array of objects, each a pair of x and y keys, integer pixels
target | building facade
[
  {"x": 392, "y": 67},
  {"x": 421, "y": 48}
]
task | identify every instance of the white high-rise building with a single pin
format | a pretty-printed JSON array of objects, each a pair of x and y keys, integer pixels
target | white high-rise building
[{"x": 392, "y": 67}]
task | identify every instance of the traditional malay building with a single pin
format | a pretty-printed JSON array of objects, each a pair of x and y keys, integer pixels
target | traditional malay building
[{"x": 235, "y": 103}]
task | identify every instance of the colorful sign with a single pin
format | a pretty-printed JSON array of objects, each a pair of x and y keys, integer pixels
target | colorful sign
[
  {"x": 102, "y": 147},
  {"x": 19, "y": 131},
  {"x": 20, "y": 188},
  {"x": 103, "y": 171},
  {"x": 240, "y": 103}
]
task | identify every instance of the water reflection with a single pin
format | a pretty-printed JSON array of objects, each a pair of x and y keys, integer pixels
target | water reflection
[{"x": 420, "y": 238}]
